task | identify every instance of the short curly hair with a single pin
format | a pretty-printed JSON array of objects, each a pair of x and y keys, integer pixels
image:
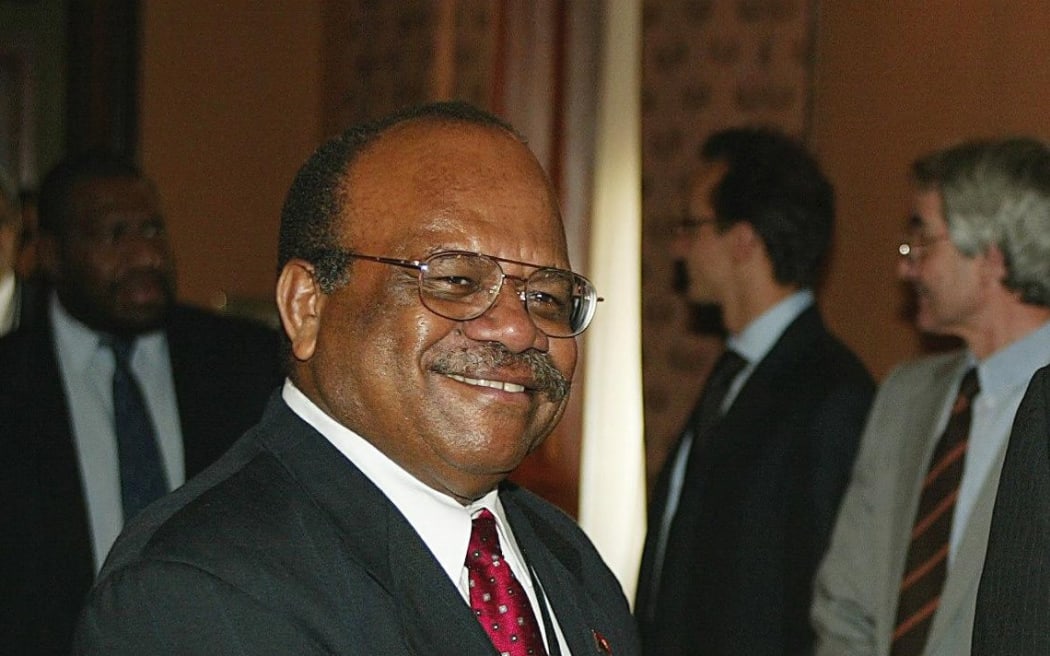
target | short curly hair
[{"x": 317, "y": 198}]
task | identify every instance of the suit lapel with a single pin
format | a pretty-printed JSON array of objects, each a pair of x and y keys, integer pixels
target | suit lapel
[
  {"x": 916, "y": 424},
  {"x": 418, "y": 582},
  {"x": 381, "y": 541},
  {"x": 557, "y": 565},
  {"x": 736, "y": 435},
  {"x": 65, "y": 536}
]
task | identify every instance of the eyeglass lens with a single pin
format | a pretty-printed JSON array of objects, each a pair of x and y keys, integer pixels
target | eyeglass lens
[{"x": 464, "y": 286}]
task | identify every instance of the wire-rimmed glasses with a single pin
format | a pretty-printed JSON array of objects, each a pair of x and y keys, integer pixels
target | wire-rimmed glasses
[
  {"x": 914, "y": 247},
  {"x": 461, "y": 286}
]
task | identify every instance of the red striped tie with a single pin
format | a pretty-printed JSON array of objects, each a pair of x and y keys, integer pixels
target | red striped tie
[{"x": 927, "y": 564}]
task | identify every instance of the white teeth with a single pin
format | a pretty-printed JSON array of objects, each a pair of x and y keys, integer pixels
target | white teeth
[{"x": 494, "y": 384}]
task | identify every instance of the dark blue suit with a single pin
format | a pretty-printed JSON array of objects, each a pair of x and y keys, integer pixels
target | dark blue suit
[{"x": 758, "y": 504}]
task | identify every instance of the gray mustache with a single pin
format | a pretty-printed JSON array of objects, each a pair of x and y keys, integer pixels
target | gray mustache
[{"x": 545, "y": 375}]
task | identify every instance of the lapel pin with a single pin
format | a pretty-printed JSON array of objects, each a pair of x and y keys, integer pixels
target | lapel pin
[{"x": 601, "y": 643}]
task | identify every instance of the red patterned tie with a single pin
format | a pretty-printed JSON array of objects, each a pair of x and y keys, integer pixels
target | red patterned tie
[
  {"x": 498, "y": 600},
  {"x": 927, "y": 564}
]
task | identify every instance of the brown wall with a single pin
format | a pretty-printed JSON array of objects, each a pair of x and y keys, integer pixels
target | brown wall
[
  {"x": 231, "y": 106},
  {"x": 893, "y": 80}
]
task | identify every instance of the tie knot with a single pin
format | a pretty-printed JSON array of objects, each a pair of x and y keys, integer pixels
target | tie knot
[
  {"x": 484, "y": 541},
  {"x": 730, "y": 364},
  {"x": 122, "y": 348},
  {"x": 970, "y": 386}
]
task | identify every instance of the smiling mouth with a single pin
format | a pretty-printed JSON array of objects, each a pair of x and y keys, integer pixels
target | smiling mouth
[{"x": 494, "y": 384}]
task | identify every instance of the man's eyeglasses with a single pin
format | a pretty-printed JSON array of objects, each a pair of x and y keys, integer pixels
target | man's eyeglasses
[
  {"x": 461, "y": 286},
  {"x": 914, "y": 248}
]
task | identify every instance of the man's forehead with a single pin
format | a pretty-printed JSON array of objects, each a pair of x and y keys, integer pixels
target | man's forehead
[
  {"x": 927, "y": 214},
  {"x": 442, "y": 163},
  {"x": 430, "y": 140},
  {"x": 101, "y": 200},
  {"x": 112, "y": 191}
]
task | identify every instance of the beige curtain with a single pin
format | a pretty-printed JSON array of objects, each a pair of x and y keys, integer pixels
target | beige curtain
[{"x": 612, "y": 476}]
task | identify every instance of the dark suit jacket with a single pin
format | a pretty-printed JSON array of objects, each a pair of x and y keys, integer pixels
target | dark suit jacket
[
  {"x": 224, "y": 370},
  {"x": 285, "y": 547},
  {"x": 1013, "y": 600},
  {"x": 758, "y": 504}
]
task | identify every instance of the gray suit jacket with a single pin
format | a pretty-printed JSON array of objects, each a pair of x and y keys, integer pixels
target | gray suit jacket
[
  {"x": 284, "y": 547},
  {"x": 856, "y": 591},
  {"x": 1013, "y": 602}
]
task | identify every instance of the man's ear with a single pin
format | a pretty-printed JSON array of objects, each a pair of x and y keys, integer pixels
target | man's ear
[
  {"x": 995, "y": 263},
  {"x": 743, "y": 240},
  {"x": 299, "y": 302}
]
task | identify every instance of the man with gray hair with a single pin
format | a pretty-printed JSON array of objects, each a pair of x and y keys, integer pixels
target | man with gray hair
[{"x": 902, "y": 572}]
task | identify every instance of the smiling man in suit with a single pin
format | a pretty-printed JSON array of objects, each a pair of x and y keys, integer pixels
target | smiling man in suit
[
  {"x": 65, "y": 467},
  {"x": 431, "y": 316},
  {"x": 745, "y": 502},
  {"x": 902, "y": 572}
]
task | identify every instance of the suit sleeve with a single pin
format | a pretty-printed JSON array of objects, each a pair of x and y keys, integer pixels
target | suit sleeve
[
  {"x": 838, "y": 427},
  {"x": 170, "y": 608},
  {"x": 844, "y": 597}
]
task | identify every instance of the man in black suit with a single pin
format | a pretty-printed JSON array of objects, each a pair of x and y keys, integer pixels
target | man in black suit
[
  {"x": 1013, "y": 600},
  {"x": 430, "y": 311},
  {"x": 204, "y": 379},
  {"x": 742, "y": 510}
]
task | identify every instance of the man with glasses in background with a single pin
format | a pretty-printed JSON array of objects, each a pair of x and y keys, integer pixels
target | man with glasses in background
[
  {"x": 902, "y": 571},
  {"x": 744, "y": 505},
  {"x": 430, "y": 316}
]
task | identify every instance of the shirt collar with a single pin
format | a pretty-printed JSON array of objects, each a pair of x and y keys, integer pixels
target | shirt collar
[
  {"x": 79, "y": 343},
  {"x": 1015, "y": 364},
  {"x": 74, "y": 340},
  {"x": 759, "y": 336}
]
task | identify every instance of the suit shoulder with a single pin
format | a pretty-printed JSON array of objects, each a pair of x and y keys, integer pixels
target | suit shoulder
[
  {"x": 937, "y": 365},
  {"x": 22, "y": 346},
  {"x": 539, "y": 507},
  {"x": 213, "y": 517},
  {"x": 826, "y": 363}
]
